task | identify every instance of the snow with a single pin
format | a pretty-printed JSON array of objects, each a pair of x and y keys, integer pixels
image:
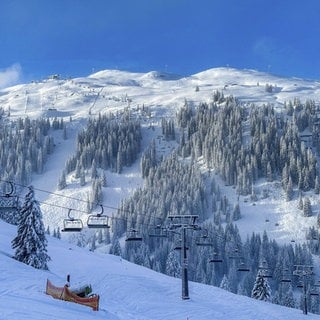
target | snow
[{"x": 128, "y": 291}]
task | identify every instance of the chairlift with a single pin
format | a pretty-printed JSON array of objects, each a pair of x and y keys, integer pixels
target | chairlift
[
  {"x": 285, "y": 276},
  {"x": 98, "y": 221},
  {"x": 265, "y": 269},
  {"x": 242, "y": 267},
  {"x": 10, "y": 192},
  {"x": 133, "y": 235},
  {"x": 204, "y": 240},
  {"x": 159, "y": 231},
  {"x": 178, "y": 245},
  {"x": 216, "y": 258},
  {"x": 71, "y": 224},
  {"x": 235, "y": 255},
  {"x": 9, "y": 200},
  {"x": 178, "y": 221}
]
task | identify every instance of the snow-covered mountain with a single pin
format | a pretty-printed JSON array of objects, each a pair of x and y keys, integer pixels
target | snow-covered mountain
[
  {"x": 163, "y": 94},
  {"x": 128, "y": 291}
]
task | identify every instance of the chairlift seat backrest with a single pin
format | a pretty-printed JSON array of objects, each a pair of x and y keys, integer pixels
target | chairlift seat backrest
[
  {"x": 204, "y": 240},
  {"x": 98, "y": 221},
  {"x": 159, "y": 232},
  {"x": 242, "y": 267},
  {"x": 72, "y": 225},
  {"x": 133, "y": 235}
]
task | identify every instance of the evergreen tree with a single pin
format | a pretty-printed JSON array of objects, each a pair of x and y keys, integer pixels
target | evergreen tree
[
  {"x": 82, "y": 178},
  {"x": 236, "y": 215},
  {"x": 115, "y": 248},
  {"x": 30, "y": 242},
  {"x": 94, "y": 171},
  {"x": 288, "y": 299},
  {"x": 172, "y": 265},
  {"x": 62, "y": 181},
  {"x": 318, "y": 220},
  {"x": 300, "y": 202},
  {"x": 317, "y": 186},
  {"x": 104, "y": 179},
  {"x": 93, "y": 243},
  {"x": 307, "y": 210},
  {"x": 225, "y": 284},
  {"x": 58, "y": 233},
  {"x": 261, "y": 289},
  {"x": 289, "y": 190}
]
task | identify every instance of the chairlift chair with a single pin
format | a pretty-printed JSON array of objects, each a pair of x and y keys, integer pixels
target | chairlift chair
[
  {"x": 158, "y": 232},
  {"x": 314, "y": 293},
  {"x": 265, "y": 269},
  {"x": 177, "y": 221},
  {"x": 235, "y": 254},
  {"x": 133, "y": 235},
  {"x": 98, "y": 221},
  {"x": 216, "y": 258},
  {"x": 9, "y": 201},
  {"x": 266, "y": 274},
  {"x": 204, "y": 240},
  {"x": 71, "y": 224},
  {"x": 242, "y": 267},
  {"x": 285, "y": 276}
]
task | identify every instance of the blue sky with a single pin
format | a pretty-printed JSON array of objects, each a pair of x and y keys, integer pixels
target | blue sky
[{"x": 76, "y": 37}]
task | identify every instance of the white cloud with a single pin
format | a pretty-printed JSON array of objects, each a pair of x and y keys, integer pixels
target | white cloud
[{"x": 10, "y": 75}]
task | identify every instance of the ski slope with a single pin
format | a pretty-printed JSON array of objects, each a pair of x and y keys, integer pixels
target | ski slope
[{"x": 127, "y": 291}]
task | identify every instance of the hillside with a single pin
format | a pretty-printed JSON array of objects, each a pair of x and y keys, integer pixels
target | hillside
[
  {"x": 127, "y": 291},
  {"x": 148, "y": 98},
  {"x": 163, "y": 95}
]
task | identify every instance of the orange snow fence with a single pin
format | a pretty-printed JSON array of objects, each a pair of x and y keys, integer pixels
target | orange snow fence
[{"x": 64, "y": 293}]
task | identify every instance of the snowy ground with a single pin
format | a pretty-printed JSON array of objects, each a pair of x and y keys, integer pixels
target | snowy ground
[{"x": 127, "y": 291}]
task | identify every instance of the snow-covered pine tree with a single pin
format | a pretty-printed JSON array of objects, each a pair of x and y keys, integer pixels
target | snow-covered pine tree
[
  {"x": 173, "y": 265},
  {"x": 288, "y": 299},
  {"x": 261, "y": 289},
  {"x": 30, "y": 242},
  {"x": 289, "y": 190},
  {"x": 115, "y": 248},
  {"x": 236, "y": 214},
  {"x": 62, "y": 183},
  {"x": 93, "y": 243},
  {"x": 225, "y": 284},
  {"x": 307, "y": 210}
]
